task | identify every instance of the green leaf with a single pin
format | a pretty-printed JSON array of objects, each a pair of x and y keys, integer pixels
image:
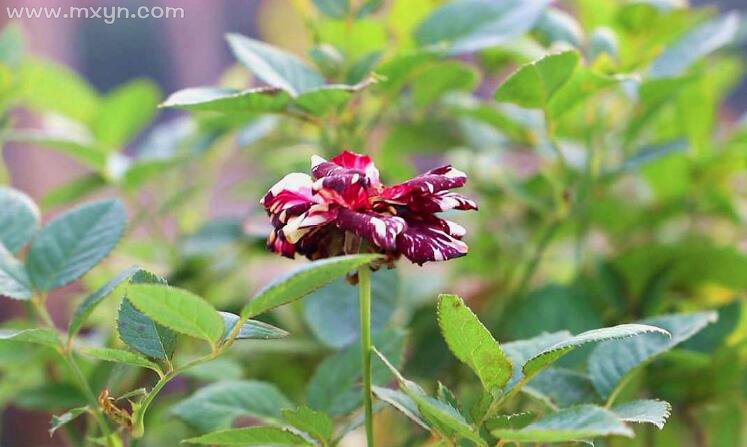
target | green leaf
[
  {"x": 570, "y": 424},
  {"x": 84, "y": 309},
  {"x": 439, "y": 415},
  {"x": 332, "y": 312},
  {"x": 275, "y": 66},
  {"x": 216, "y": 406},
  {"x": 73, "y": 243},
  {"x": 534, "y": 84},
  {"x": 649, "y": 411},
  {"x": 227, "y": 100},
  {"x": 472, "y": 343},
  {"x": 49, "y": 87},
  {"x": 303, "y": 280},
  {"x": 126, "y": 111},
  {"x": 443, "y": 77},
  {"x": 121, "y": 356},
  {"x": 696, "y": 44},
  {"x": 315, "y": 423},
  {"x": 335, "y": 386},
  {"x": 19, "y": 220},
  {"x": 324, "y": 100},
  {"x": 58, "y": 421},
  {"x": 554, "y": 352},
  {"x": 583, "y": 84},
  {"x": 73, "y": 191},
  {"x": 512, "y": 421},
  {"x": 257, "y": 436},
  {"x": 141, "y": 333},
  {"x": 401, "y": 402},
  {"x": 178, "y": 310},
  {"x": 252, "y": 329},
  {"x": 560, "y": 387},
  {"x": 611, "y": 361},
  {"x": 464, "y": 26},
  {"x": 521, "y": 351},
  {"x": 79, "y": 147},
  {"x": 14, "y": 281},
  {"x": 39, "y": 336},
  {"x": 337, "y": 9}
]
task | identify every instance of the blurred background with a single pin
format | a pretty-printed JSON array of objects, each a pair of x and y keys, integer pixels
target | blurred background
[
  {"x": 624, "y": 221},
  {"x": 175, "y": 53}
]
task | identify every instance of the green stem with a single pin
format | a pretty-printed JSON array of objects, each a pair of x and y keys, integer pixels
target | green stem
[
  {"x": 364, "y": 288},
  {"x": 67, "y": 355}
]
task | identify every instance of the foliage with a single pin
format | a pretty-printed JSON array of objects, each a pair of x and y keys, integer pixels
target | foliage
[{"x": 605, "y": 256}]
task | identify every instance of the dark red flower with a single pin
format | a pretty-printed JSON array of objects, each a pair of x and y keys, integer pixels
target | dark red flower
[{"x": 343, "y": 208}]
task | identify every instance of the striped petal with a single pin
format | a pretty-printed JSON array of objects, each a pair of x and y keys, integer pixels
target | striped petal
[
  {"x": 433, "y": 181},
  {"x": 378, "y": 229},
  {"x": 431, "y": 240}
]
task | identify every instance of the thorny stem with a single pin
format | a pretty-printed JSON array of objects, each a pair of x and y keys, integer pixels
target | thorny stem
[
  {"x": 39, "y": 303},
  {"x": 364, "y": 288}
]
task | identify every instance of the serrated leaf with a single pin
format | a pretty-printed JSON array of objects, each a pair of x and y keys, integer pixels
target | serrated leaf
[
  {"x": 333, "y": 315},
  {"x": 611, "y": 361},
  {"x": 554, "y": 352},
  {"x": 335, "y": 386},
  {"x": 696, "y": 44},
  {"x": 521, "y": 351},
  {"x": 472, "y": 343},
  {"x": 227, "y": 100},
  {"x": 252, "y": 329},
  {"x": 39, "y": 336},
  {"x": 513, "y": 421},
  {"x": 649, "y": 411},
  {"x": 73, "y": 243},
  {"x": 58, "y": 421},
  {"x": 250, "y": 436},
  {"x": 84, "y": 309},
  {"x": 401, "y": 402},
  {"x": 141, "y": 333},
  {"x": 534, "y": 84},
  {"x": 178, "y": 310},
  {"x": 302, "y": 281},
  {"x": 470, "y": 25},
  {"x": 315, "y": 423},
  {"x": 216, "y": 406},
  {"x": 14, "y": 281},
  {"x": 275, "y": 66},
  {"x": 570, "y": 424},
  {"x": 120, "y": 356},
  {"x": 19, "y": 220},
  {"x": 439, "y": 415}
]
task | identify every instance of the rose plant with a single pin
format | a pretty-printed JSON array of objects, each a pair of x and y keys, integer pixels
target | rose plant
[{"x": 605, "y": 255}]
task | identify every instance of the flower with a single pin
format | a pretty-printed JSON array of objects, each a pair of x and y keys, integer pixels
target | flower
[{"x": 344, "y": 208}]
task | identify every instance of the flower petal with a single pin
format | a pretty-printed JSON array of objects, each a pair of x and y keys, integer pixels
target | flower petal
[
  {"x": 294, "y": 191},
  {"x": 431, "y": 240},
  {"x": 433, "y": 181},
  {"x": 276, "y": 242},
  {"x": 345, "y": 162},
  {"x": 441, "y": 201},
  {"x": 381, "y": 230}
]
